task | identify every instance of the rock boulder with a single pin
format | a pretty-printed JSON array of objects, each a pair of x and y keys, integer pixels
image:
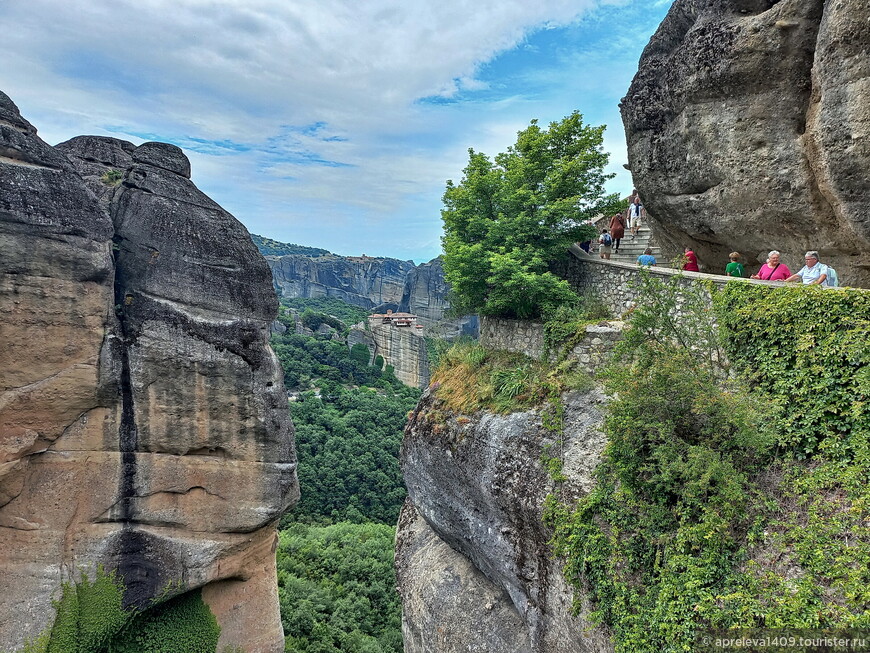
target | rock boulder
[
  {"x": 748, "y": 129},
  {"x": 143, "y": 419}
]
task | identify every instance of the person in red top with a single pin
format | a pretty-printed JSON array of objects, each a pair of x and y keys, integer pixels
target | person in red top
[
  {"x": 691, "y": 264},
  {"x": 773, "y": 270}
]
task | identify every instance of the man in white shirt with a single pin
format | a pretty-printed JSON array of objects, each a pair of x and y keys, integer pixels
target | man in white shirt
[
  {"x": 813, "y": 273},
  {"x": 635, "y": 212}
]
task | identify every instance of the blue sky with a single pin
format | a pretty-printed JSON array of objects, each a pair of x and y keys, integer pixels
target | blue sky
[{"x": 329, "y": 123}]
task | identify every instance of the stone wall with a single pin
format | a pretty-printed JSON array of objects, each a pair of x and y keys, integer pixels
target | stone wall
[
  {"x": 613, "y": 282},
  {"x": 520, "y": 336},
  {"x": 527, "y": 337}
]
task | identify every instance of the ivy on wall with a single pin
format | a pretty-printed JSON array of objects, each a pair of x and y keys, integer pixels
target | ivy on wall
[
  {"x": 90, "y": 618},
  {"x": 730, "y": 501}
]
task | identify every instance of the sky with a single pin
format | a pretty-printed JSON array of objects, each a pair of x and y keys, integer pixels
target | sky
[{"x": 327, "y": 123}]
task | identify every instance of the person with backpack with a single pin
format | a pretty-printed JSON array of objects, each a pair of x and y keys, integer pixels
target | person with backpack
[
  {"x": 813, "y": 273},
  {"x": 605, "y": 244},
  {"x": 735, "y": 267}
]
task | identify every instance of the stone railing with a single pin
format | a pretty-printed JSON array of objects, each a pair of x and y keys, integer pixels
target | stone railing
[{"x": 612, "y": 282}]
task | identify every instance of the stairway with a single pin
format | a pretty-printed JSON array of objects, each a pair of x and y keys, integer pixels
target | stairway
[{"x": 630, "y": 249}]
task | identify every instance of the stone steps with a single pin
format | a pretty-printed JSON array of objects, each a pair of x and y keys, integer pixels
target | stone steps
[{"x": 630, "y": 249}]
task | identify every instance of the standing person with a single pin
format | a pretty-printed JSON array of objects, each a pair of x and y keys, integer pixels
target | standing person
[
  {"x": 646, "y": 258},
  {"x": 813, "y": 273},
  {"x": 735, "y": 268},
  {"x": 617, "y": 230},
  {"x": 691, "y": 264},
  {"x": 635, "y": 214},
  {"x": 773, "y": 270},
  {"x": 605, "y": 243}
]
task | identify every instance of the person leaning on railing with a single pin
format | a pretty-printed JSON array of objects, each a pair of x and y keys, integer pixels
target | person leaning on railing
[
  {"x": 813, "y": 273},
  {"x": 773, "y": 270}
]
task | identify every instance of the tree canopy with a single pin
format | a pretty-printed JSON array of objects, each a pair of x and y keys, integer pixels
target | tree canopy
[{"x": 510, "y": 218}]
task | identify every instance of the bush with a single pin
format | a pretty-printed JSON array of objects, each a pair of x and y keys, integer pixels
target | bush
[{"x": 704, "y": 516}]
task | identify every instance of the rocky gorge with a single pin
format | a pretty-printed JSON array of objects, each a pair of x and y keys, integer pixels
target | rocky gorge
[
  {"x": 377, "y": 284},
  {"x": 143, "y": 420}
]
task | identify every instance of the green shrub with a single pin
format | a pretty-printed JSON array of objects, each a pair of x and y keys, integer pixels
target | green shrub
[
  {"x": 729, "y": 495},
  {"x": 112, "y": 177},
  {"x": 183, "y": 624},
  {"x": 90, "y": 618}
]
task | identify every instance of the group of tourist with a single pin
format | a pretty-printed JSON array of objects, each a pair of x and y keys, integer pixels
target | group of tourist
[
  {"x": 611, "y": 237},
  {"x": 813, "y": 272}
]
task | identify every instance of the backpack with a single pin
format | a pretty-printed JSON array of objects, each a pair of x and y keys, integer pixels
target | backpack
[
  {"x": 832, "y": 281},
  {"x": 606, "y": 240}
]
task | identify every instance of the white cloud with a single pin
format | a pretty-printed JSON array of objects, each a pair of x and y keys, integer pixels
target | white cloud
[{"x": 258, "y": 72}]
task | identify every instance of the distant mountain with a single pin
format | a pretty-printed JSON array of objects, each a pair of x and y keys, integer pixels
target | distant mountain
[{"x": 269, "y": 247}]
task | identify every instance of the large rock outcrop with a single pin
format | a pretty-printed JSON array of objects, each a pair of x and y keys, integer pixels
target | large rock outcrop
[
  {"x": 404, "y": 348},
  {"x": 143, "y": 419},
  {"x": 359, "y": 280},
  {"x": 377, "y": 284},
  {"x": 748, "y": 128},
  {"x": 474, "y": 568}
]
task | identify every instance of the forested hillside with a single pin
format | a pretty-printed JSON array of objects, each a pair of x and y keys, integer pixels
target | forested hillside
[
  {"x": 269, "y": 247},
  {"x": 335, "y": 556}
]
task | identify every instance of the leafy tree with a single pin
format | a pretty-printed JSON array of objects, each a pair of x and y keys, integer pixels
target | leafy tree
[
  {"x": 336, "y": 588},
  {"x": 511, "y": 217},
  {"x": 348, "y": 445}
]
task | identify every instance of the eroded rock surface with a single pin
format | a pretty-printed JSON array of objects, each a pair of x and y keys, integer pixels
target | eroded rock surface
[
  {"x": 748, "y": 128},
  {"x": 362, "y": 281},
  {"x": 479, "y": 485},
  {"x": 143, "y": 419}
]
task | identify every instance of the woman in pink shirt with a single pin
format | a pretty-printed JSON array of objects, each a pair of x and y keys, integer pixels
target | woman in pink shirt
[{"x": 773, "y": 270}]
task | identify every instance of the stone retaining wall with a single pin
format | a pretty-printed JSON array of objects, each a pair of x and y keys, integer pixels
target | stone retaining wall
[
  {"x": 610, "y": 281},
  {"x": 527, "y": 337}
]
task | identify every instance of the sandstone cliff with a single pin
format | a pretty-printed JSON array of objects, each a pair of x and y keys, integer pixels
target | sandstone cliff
[
  {"x": 405, "y": 349},
  {"x": 377, "y": 284},
  {"x": 474, "y": 569},
  {"x": 748, "y": 128},
  {"x": 143, "y": 419},
  {"x": 361, "y": 281}
]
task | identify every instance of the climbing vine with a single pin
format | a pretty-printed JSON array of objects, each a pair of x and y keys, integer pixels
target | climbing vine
[
  {"x": 729, "y": 496},
  {"x": 90, "y": 618}
]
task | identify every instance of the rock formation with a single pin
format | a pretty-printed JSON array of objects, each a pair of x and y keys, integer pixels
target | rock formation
[
  {"x": 143, "y": 419},
  {"x": 361, "y": 281},
  {"x": 377, "y": 284},
  {"x": 748, "y": 128},
  {"x": 405, "y": 349},
  {"x": 474, "y": 568}
]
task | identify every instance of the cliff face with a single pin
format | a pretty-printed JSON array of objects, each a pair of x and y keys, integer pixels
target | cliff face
[
  {"x": 748, "y": 126},
  {"x": 474, "y": 569},
  {"x": 379, "y": 284},
  {"x": 143, "y": 419},
  {"x": 405, "y": 349},
  {"x": 367, "y": 282}
]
